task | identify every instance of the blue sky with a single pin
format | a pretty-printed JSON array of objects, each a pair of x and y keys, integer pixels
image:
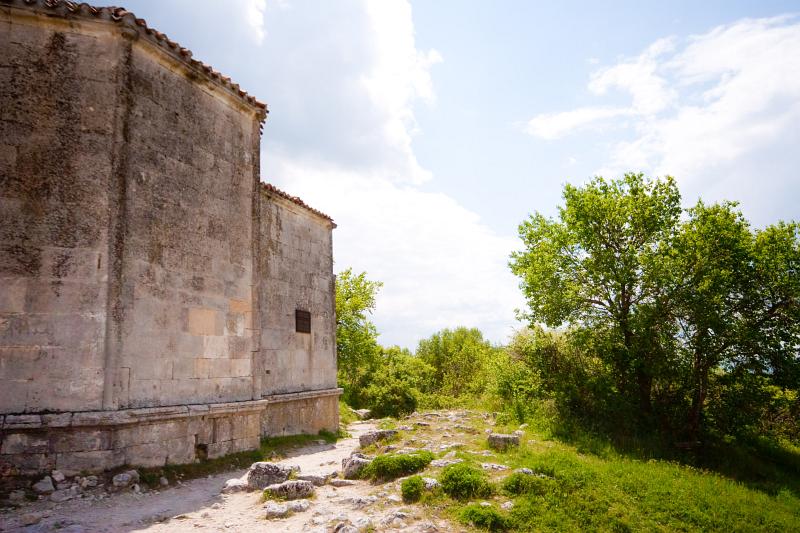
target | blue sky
[{"x": 429, "y": 130}]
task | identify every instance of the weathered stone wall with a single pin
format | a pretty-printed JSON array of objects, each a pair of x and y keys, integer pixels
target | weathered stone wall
[
  {"x": 296, "y": 272},
  {"x": 184, "y": 331},
  {"x": 148, "y": 284},
  {"x": 59, "y": 96}
]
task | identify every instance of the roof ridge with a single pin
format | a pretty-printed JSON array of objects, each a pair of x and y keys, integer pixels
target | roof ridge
[
  {"x": 270, "y": 188},
  {"x": 122, "y": 16}
]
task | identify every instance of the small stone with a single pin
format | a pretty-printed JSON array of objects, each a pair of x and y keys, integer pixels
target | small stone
[
  {"x": 493, "y": 466},
  {"x": 28, "y": 519},
  {"x": 137, "y": 489},
  {"x": 262, "y": 474},
  {"x": 394, "y": 498},
  {"x": 502, "y": 441},
  {"x": 362, "y": 414},
  {"x": 63, "y": 485},
  {"x": 44, "y": 486},
  {"x": 62, "y": 495},
  {"x": 439, "y": 463},
  {"x": 523, "y": 426},
  {"x": 164, "y": 482},
  {"x": 525, "y": 471},
  {"x": 430, "y": 483},
  {"x": 345, "y": 528},
  {"x": 57, "y": 476},
  {"x": 374, "y": 436},
  {"x": 298, "y": 506},
  {"x": 205, "y": 514},
  {"x": 125, "y": 478},
  {"x": 16, "y": 496},
  {"x": 338, "y": 482},
  {"x": 361, "y": 501},
  {"x": 353, "y": 465},
  {"x": 507, "y": 505},
  {"x": 313, "y": 478},
  {"x": 519, "y": 433},
  {"x": 235, "y": 485},
  {"x": 290, "y": 490},
  {"x": 275, "y": 510},
  {"x": 485, "y": 504},
  {"x": 89, "y": 482},
  {"x": 216, "y": 506}
]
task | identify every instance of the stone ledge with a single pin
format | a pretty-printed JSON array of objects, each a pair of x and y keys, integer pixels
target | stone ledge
[{"x": 152, "y": 414}]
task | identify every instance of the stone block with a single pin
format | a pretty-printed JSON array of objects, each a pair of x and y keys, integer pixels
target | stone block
[
  {"x": 31, "y": 443},
  {"x": 81, "y": 440},
  {"x": 223, "y": 429},
  {"x": 239, "y": 306},
  {"x": 146, "y": 455},
  {"x": 240, "y": 367},
  {"x": 202, "y": 322},
  {"x": 27, "y": 464},
  {"x": 180, "y": 451},
  {"x": 73, "y": 463},
  {"x": 219, "y": 449},
  {"x": 12, "y": 297}
]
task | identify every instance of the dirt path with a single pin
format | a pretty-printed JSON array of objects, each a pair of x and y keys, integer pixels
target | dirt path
[{"x": 198, "y": 505}]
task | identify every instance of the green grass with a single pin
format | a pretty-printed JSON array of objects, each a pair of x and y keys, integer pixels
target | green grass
[
  {"x": 487, "y": 518},
  {"x": 271, "y": 448},
  {"x": 463, "y": 481},
  {"x": 392, "y": 466},
  {"x": 412, "y": 489},
  {"x": 346, "y": 415}
]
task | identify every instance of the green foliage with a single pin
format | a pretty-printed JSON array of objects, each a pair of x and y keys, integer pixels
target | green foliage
[
  {"x": 662, "y": 316},
  {"x": 395, "y": 384},
  {"x": 484, "y": 517},
  {"x": 462, "y": 482},
  {"x": 412, "y": 488},
  {"x": 395, "y": 465},
  {"x": 517, "y": 484},
  {"x": 460, "y": 359},
  {"x": 356, "y": 337}
]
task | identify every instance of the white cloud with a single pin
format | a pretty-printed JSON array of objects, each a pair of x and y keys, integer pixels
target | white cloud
[
  {"x": 552, "y": 126},
  {"x": 720, "y": 112},
  {"x": 343, "y": 81},
  {"x": 254, "y": 16}
]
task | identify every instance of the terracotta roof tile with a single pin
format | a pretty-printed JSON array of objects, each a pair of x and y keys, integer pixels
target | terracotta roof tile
[
  {"x": 122, "y": 16},
  {"x": 271, "y": 189}
]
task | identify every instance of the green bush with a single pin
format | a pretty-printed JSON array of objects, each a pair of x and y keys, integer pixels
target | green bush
[
  {"x": 462, "y": 482},
  {"x": 517, "y": 484},
  {"x": 389, "y": 396},
  {"x": 484, "y": 517},
  {"x": 412, "y": 489},
  {"x": 394, "y": 466}
]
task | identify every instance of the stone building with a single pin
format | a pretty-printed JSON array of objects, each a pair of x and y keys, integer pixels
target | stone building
[{"x": 158, "y": 303}]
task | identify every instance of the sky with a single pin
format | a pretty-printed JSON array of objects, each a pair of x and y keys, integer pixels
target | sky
[{"x": 430, "y": 129}]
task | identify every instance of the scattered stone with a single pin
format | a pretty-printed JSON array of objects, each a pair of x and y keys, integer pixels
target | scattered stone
[
  {"x": 28, "y": 519},
  {"x": 523, "y": 426},
  {"x": 519, "y": 433},
  {"x": 450, "y": 445},
  {"x": 275, "y": 510},
  {"x": 359, "y": 502},
  {"x": 16, "y": 496},
  {"x": 493, "y": 466},
  {"x": 394, "y": 498},
  {"x": 363, "y": 524},
  {"x": 63, "y": 485},
  {"x": 485, "y": 504},
  {"x": 291, "y": 490},
  {"x": 125, "y": 478},
  {"x": 427, "y": 527},
  {"x": 337, "y": 482},
  {"x": 502, "y": 441},
  {"x": 313, "y": 478},
  {"x": 525, "y": 471},
  {"x": 362, "y": 414},
  {"x": 374, "y": 436},
  {"x": 353, "y": 465},
  {"x": 164, "y": 482},
  {"x": 263, "y": 474},
  {"x": 487, "y": 431},
  {"x": 440, "y": 463},
  {"x": 57, "y": 476},
  {"x": 450, "y": 455},
  {"x": 62, "y": 495},
  {"x": 423, "y": 424},
  {"x": 430, "y": 483},
  {"x": 44, "y": 486},
  {"x": 89, "y": 482},
  {"x": 298, "y": 506},
  {"x": 136, "y": 488},
  {"x": 506, "y": 506},
  {"x": 344, "y": 527},
  {"x": 404, "y": 428}
]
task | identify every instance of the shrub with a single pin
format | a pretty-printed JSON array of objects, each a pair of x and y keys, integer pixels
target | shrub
[
  {"x": 517, "y": 484},
  {"x": 412, "y": 488},
  {"x": 485, "y": 517},
  {"x": 394, "y": 466},
  {"x": 462, "y": 482}
]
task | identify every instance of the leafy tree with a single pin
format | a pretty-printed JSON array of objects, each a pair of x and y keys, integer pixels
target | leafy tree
[
  {"x": 356, "y": 337},
  {"x": 459, "y": 358},
  {"x": 597, "y": 267}
]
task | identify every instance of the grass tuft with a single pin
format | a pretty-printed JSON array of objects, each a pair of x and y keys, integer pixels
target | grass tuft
[
  {"x": 385, "y": 467},
  {"x": 462, "y": 482}
]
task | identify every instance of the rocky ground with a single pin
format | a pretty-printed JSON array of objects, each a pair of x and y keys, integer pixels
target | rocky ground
[{"x": 337, "y": 505}]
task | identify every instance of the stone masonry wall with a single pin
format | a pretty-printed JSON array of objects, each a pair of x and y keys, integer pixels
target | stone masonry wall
[
  {"x": 184, "y": 334},
  {"x": 58, "y": 126},
  {"x": 296, "y": 272}
]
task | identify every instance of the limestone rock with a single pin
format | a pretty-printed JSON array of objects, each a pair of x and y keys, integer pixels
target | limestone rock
[
  {"x": 493, "y": 466},
  {"x": 28, "y": 519},
  {"x": 440, "y": 463},
  {"x": 502, "y": 441},
  {"x": 44, "y": 486},
  {"x": 275, "y": 510},
  {"x": 164, "y": 482},
  {"x": 525, "y": 471},
  {"x": 507, "y": 505},
  {"x": 125, "y": 479},
  {"x": 374, "y": 436},
  {"x": 344, "y": 527},
  {"x": 290, "y": 490},
  {"x": 336, "y": 482},
  {"x": 353, "y": 465},
  {"x": 235, "y": 485},
  {"x": 89, "y": 482},
  {"x": 430, "y": 483},
  {"x": 362, "y": 414},
  {"x": 264, "y": 474},
  {"x": 317, "y": 480},
  {"x": 57, "y": 476},
  {"x": 298, "y": 506},
  {"x": 62, "y": 495}
]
